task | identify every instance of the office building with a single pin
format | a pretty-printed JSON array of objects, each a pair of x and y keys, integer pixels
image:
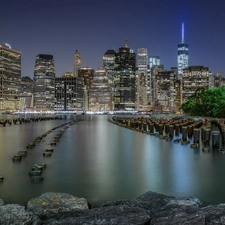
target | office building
[
  {"x": 10, "y": 78},
  {"x": 182, "y": 59},
  {"x": 26, "y": 95},
  {"x": 194, "y": 77},
  {"x": 164, "y": 89},
  {"x": 109, "y": 63},
  {"x": 153, "y": 61},
  {"x": 87, "y": 74},
  {"x": 124, "y": 79},
  {"x": 44, "y": 83},
  {"x": 142, "y": 60},
  {"x": 77, "y": 62},
  {"x": 68, "y": 93},
  {"x": 141, "y": 91},
  {"x": 100, "y": 93}
]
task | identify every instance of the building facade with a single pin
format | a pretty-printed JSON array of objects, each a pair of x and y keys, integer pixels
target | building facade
[
  {"x": 10, "y": 78},
  {"x": 68, "y": 93},
  {"x": 164, "y": 92},
  {"x": 77, "y": 62},
  {"x": 182, "y": 58},
  {"x": 194, "y": 77},
  {"x": 109, "y": 63},
  {"x": 44, "y": 83},
  {"x": 124, "y": 79},
  {"x": 153, "y": 61},
  {"x": 27, "y": 94},
  {"x": 100, "y": 93},
  {"x": 141, "y": 93},
  {"x": 142, "y": 60},
  {"x": 87, "y": 74}
]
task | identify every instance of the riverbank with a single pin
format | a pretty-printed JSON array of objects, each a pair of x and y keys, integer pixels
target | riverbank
[{"x": 150, "y": 208}]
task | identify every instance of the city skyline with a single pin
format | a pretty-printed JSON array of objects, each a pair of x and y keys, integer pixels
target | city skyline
[{"x": 93, "y": 28}]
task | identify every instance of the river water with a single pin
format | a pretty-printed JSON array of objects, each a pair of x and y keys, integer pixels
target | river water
[{"x": 101, "y": 161}]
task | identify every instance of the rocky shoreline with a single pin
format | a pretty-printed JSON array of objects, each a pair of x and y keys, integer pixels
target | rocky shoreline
[{"x": 150, "y": 208}]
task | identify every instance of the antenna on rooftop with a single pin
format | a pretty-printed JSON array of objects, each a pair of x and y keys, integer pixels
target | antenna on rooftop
[{"x": 182, "y": 38}]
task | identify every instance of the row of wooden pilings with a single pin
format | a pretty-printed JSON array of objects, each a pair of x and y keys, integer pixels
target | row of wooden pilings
[
  {"x": 4, "y": 122},
  {"x": 200, "y": 131},
  {"x": 36, "y": 170}
]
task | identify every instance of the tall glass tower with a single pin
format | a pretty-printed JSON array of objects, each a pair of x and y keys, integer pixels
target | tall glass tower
[
  {"x": 124, "y": 79},
  {"x": 10, "y": 77},
  {"x": 77, "y": 63},
  {"x": 182, "y": 59},
  {"x": 44, "y": 83},
  {"x": 142, "y": 59}
]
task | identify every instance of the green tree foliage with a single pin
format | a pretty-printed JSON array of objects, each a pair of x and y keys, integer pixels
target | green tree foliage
[{"x": 209, "y": 103}]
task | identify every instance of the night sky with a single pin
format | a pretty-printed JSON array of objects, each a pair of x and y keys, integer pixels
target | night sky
[{"x": 59, "y": 27}]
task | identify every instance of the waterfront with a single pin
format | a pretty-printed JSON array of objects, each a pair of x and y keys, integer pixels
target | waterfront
[{"x": 100, "y": 161}]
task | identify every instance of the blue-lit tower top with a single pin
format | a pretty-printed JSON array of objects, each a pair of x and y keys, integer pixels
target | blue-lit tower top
[{"x": 182, "y": 59}]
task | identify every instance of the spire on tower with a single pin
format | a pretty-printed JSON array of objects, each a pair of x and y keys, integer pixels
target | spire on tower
[
  {"x": 126, "y": 45},
  {"x": 182, "y": 37}
]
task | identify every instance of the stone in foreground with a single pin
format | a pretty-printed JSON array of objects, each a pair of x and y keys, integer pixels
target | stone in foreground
[
  {"x": 177, "y": 211},
  {"x": 50, "y": 204},
  {"x": 16, "y": 215},
  {"x": 111, "y": 215},
  {"x": 149, "y": 201}
]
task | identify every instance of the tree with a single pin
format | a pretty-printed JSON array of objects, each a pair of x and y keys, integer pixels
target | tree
[{"x": 209, "y": 103}]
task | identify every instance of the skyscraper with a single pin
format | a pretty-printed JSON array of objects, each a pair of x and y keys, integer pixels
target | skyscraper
[
  {"x": 142, "y": 60},
  {"x": 10, "y": 77},
  {"x": 154, "y": 61},
  {"x": 27, "y": 93},
  {"x": 124, "y": 79},
  {"x": 87, "y": 74},
  {"x": 44, "y": 78},
  {"x": 68, "y": 93},
  {"x": 109, "y": 63},
  {"x": 77, "y": 62},
  {"x": 100, "y": 95},
  {"x": 182, "y": 59}
]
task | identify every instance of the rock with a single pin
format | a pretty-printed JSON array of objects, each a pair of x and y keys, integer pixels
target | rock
[
  {"x": 16, "y": 215},
  {"x": 1, "y": 202},
  {"x": 182, "y": 202},
  {"x": 117, "y": 202},
  {"x": 194, "y": 199},
  {"x": 214, "y": 214},
  {"x": 149, "y": 201},
  {"x": 178, "y": 212},
  {"x": 111, "y": 215},
  {"x": 50, "y": 204}
]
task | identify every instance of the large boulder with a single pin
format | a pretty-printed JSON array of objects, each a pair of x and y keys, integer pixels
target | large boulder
[
  {"x": 214, "y": 214},
  {"x": 111, "y": 215},
  {"x": 149, "y": 201},
  {"x": 178, "y": 212},
  {"x": 49, "y": 204},
  {"x": 16, "y": 215}
]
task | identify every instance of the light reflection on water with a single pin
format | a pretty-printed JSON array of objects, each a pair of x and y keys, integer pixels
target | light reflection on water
[{"x": 101, "y": 161}]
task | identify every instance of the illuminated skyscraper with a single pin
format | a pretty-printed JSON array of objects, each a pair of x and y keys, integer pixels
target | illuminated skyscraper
[
  {"x": 154, "y": 61},
  {"x": 124, "y": 79},
  {"x": 182, "y": 59},
  {"x": 100, "y": 95},
  {"x": 87, "y": 75},
  {"x": 68, "y": 93},
  {"x": 142, "y": 59},
  {"x": 109, "y": 63},
  {"x": 44, "y": 83},
  {"x": 10, "y": 77},
  {"x": 77, "y": 62}
]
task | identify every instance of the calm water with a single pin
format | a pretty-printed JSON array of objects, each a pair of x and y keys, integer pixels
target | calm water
[{"x": 100, "y": 161}]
